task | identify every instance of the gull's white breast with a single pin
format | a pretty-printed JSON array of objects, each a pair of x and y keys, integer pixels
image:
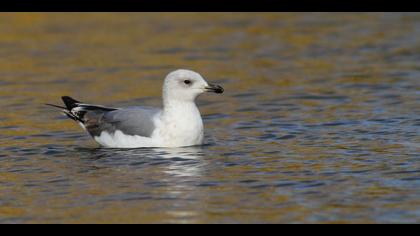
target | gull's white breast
[{"x": 183, "y": 127}]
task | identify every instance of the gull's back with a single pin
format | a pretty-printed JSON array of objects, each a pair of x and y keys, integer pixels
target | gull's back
[
  {"x": 130, "y": 121},
  {"x": 96, "y": 119}
]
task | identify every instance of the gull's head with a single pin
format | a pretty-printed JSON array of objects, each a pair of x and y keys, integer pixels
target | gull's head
[{"x": 187, "y": 85}]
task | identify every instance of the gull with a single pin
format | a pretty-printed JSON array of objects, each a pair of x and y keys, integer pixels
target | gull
[{"x": 177, "y": 124}]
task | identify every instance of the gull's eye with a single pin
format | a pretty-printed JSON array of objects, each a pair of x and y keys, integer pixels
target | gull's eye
[{"x": 187, "y": 81}]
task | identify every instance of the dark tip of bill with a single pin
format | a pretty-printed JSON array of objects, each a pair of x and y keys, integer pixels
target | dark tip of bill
[{"x": 219, "y": 89}]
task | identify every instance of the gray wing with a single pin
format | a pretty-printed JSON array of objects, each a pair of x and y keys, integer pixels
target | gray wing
[
  {"x": 97, "y": 118},
  {"x": 130, "y": 121}
]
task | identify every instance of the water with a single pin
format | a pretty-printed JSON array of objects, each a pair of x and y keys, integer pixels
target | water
[{"x": 319, "y": 122}]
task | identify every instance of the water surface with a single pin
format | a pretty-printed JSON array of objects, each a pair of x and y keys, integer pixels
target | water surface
[{"x": 319, "y": 122}]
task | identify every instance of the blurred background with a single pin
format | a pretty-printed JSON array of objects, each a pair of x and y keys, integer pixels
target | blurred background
[{"x": 319, "y": 122}]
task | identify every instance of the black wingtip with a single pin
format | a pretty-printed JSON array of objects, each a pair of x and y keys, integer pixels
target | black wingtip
[
  {"x": 56, "y": 106},
  {"x": 69, "y": 102}
]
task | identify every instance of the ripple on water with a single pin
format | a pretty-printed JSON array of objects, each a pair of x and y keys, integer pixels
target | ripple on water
[
  {"x": 247, "y": 109},
  {"x": 54, "y": 150},
  {"x": 249, "y": 125},
  {"x": 248, "y": 95},
  {"x": 209, "y": 184},
  {"x": 28, "y": 151},
  {"x": 287, "y": 136},
  {"x": 129, "y": 196},
  {"x": 318, "y": 97},
  {"x": 215, "y": 116},
  {"x": 11, "y": 127},
  {"x": 417, "y": 178}
]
